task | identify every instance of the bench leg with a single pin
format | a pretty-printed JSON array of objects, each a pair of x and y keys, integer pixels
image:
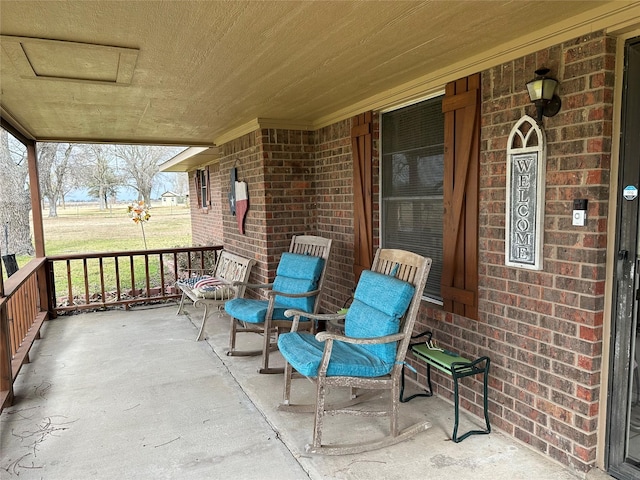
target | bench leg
[
  {"x": 485, "y": 404},
  {"x": 427, "y": 393},
  {"x": 181, "y": 305},
  {"x": 204, "y": 322}
]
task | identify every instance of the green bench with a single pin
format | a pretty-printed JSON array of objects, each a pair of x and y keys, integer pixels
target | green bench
[{"x": 456, "y": 366}]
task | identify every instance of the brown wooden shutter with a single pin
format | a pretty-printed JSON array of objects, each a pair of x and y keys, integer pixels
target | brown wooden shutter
[
  {"x": 361, "y": 141},
  {"x": 461, "y": 108}
]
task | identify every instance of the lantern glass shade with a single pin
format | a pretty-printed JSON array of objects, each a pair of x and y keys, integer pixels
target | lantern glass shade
[
  {"x": 542, "y": 89},
  {"x": 542, "y": 93}
]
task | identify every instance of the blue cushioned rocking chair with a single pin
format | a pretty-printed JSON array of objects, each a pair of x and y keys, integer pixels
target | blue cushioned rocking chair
[
  {"x": 298, "y": 285},
  {"x": 370, "y": 354}
]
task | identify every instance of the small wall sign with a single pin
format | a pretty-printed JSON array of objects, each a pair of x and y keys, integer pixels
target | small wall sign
[
  {"x": 526, "y": 162},
  {"x": 630, "y": 192}
]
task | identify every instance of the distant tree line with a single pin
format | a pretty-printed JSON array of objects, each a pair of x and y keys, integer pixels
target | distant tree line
[{"x": 99, "y": 169}]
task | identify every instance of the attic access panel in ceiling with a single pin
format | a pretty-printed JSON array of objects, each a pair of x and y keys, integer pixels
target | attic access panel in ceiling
[{"x": 71, "y": 61}]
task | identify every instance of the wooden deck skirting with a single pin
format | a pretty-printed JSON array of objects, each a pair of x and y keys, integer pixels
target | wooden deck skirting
[{"x": 28, "y": 298}]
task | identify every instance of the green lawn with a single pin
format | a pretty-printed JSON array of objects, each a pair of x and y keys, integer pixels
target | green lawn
[
  {"x": 86, "y": 229},
  {"x": 82, "y": 229}
]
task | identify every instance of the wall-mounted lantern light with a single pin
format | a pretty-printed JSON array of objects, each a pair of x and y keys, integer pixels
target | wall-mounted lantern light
[{"x": 542, "y": 94}]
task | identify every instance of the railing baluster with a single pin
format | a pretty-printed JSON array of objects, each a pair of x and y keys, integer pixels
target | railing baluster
[
  {"x": 11, "y": 314},
  {"x": 118, "y": 290},
  {"x": 146, "y": 274},
  {"x": 69, "y": 283},
  {"x": 22, "y": 312},
  {"x": 162, "y": 284},
  {"x": 133, "y": 276},
  {"x": 86, "y": 280},
  {"x": 102, "y": 290},
  {"x": 175, "y": 267}
]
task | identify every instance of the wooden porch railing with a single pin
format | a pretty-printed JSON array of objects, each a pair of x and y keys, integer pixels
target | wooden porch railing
[
  {"x": 46, "y": 287},
  {"x": 122, "y": 278},
  {"x": 23, "y": 308}
]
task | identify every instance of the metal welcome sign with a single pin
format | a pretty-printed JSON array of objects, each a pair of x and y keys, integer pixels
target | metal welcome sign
[{"x": 526, "y": 162}]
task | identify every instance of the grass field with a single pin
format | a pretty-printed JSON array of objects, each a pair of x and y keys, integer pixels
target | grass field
[{"x": 83, "y": 228}]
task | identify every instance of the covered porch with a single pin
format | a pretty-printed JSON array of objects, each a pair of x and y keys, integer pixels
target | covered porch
[
  {"x": 299, "y": 98},
  {"x": 134, "y": 396}
]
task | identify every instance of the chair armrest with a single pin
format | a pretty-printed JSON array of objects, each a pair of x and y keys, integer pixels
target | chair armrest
[
  {"x": 273, "y": 293},
  {"x": 324, "y": 336},
  {"x": 296, "y": 314},
  {"x": 252, "y": 285},
  {"x": 314, "y": 316}
]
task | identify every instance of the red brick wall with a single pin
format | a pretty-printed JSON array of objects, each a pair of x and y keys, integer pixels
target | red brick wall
[
  {"x": 543, "y": 329},
  {"x": 206, "y": 225},
  {"x": 334, "y": 209},
  {"x": 289, "y": 186},
  {"x": 278, "y": 166},
  {"x": 245, "y": 154}
]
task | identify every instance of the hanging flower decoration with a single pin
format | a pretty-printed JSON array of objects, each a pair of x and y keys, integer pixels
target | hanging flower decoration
[{"x": 139, "y": 213}]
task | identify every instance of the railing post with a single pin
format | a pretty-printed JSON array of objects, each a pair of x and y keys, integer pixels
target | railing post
[
  {"x": 43, "y": 291},
  {"x": 6, "y": 376},
  {"x": 50, "y": 292}
]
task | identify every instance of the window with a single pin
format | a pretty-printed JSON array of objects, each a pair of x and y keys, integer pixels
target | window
[
  {"x": 430, "y": 190},
  {"x": 202, "y": 187},
  {"x": 412, "y": 184}
]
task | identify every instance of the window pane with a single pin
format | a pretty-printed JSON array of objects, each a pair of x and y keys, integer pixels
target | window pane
[
  {"x": 203, "y": 188},
  {"x": 412, "y": 178}
]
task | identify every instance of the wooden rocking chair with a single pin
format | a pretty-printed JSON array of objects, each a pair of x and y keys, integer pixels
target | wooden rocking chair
[
  {"x": 369, "y": 356},
  {"x": 298, "y": 284}
]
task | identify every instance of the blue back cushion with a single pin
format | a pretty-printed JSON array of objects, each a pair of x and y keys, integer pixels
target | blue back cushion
[
  {"x": 379, "y": 303},
  {"x": 297, "y": 274}
]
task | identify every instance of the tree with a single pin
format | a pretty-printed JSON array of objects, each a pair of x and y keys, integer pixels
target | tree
[
  {"x": 54, "y": 165},
  {"x": 15, "y": 200},
  {"x": 140, "y": 166},
  {"x": 180, "y": 183},
  {"x": 98, "y": 172}
]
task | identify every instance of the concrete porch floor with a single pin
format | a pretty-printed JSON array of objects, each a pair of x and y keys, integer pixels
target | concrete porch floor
[{"x": 131, "y": 395}]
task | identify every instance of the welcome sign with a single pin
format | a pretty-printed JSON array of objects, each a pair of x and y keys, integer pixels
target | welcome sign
[{"x": 526, "y": 159}]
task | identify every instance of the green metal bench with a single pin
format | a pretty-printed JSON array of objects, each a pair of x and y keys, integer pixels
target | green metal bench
[{"x": 456, "y": 366}]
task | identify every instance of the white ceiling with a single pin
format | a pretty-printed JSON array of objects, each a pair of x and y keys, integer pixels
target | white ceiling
[{"x": 193, "y": 72}]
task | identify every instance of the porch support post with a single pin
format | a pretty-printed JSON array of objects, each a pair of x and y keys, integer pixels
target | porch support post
[
  {"x": 36, "y": 199},
  {"x": 38, "y": 226}
]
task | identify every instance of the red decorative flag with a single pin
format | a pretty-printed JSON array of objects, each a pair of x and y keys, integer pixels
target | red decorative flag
[{"x": 242, "y": 204}]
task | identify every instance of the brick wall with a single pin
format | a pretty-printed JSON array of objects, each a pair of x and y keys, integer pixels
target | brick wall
[
  {"x": 289, "y": 186},
  {"x": 206, "y": 225},
  {"x": 278, "y": 166},
  {"x": 245, "y": 154},
  {"x": 334, "y": 209},
  {"x": 543, "y": 329}
]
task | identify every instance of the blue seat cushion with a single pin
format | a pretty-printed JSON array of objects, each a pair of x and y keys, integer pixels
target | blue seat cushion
[
  {"x": 298, "y": 274},
  {"x": 304, "y": 353},
  {"x": 379, "y": 303},
  {"x": 254, "y": 311}
]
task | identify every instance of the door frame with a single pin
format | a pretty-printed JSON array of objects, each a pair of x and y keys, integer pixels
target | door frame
[{"x": 613, "y": 408}]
